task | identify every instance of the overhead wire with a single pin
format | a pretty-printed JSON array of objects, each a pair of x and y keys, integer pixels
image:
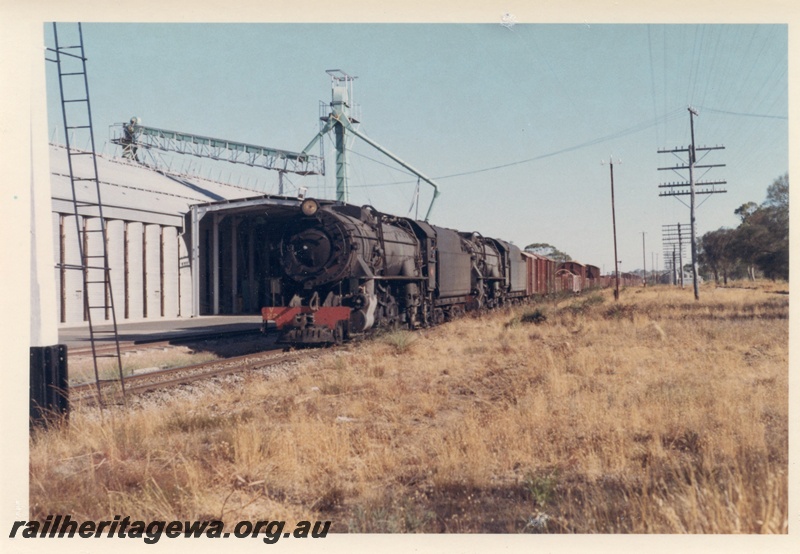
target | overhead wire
[
  {"x": 624, "y": 132},
  {"x": 758, "y": 99},
  {"x": 737, "y": 70},
  {"x": 714, "y": 64},
  {"x": 744, "y": 114},
  {"x": 738, "y": 128},
  {"x": 664, "y": 75},
  {"x": 709, "y": 74},
  {"x": 705, "y": 75},
  {"x": 693, "y": 68},
  {"x": 386, "y": 168},
  {"x": 736, "y": 76},
  {"x": 398, "y": 169},
  {"x": 398, "y": 198},
  {"x": 653, "y": 80},
  {"x": 761, "y": 108}
]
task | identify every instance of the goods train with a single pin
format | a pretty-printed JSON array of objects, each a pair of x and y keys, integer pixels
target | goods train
[{"x": 343, "y": 271}]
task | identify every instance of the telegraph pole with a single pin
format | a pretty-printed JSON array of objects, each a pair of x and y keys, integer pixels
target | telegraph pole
[
  {"x": 644, "y": 261},
  {"x": 691, "y": 153},
  {"x": 674, "y": 275},
  {"x": 680, "y": 253},
  {"x": 672, "y": 237},
  {"x": 653, "y": 269},
  {"x": 614, "y": 224},
  {"x": 692, "y": 220}
]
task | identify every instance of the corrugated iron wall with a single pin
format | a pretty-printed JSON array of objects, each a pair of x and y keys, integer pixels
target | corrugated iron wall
[
  {"x": 150, "y": 270},
  {"x": 134, "y": 274},
  {"x": 171, "y": 301},
  {"x": 116, "y": 261},
  {"x": 72, "y": 289}
]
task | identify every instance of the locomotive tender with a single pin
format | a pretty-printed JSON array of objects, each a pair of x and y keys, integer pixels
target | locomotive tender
[{"x": 346, "y": 270}]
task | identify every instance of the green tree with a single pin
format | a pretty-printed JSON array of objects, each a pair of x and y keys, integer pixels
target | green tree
[
  {"x": 778, "y": 194},
  {"x": 544, "y": 249},
  {"x": 774, "y": 261},
  {"x": 762, "y": 239},
  {"x": 746, "y": 210},
  {"x": 717, "y": 253}
]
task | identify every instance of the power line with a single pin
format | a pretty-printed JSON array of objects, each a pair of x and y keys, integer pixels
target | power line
[
  {"x": 714, "y": 66},
  {"x": 653, "y": 79},
  {"x": 619, "y": 134},
  {"x": 359, "y": 154}
]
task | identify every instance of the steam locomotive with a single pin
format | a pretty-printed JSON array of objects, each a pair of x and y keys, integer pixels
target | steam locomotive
[{"x": 345, "y": 271}]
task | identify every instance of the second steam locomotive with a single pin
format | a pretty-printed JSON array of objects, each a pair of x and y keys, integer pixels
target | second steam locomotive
[{"x": 344, "y": 271}]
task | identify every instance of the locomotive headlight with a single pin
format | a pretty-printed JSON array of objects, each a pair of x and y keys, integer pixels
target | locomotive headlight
[{"x": 309, "y": 207}]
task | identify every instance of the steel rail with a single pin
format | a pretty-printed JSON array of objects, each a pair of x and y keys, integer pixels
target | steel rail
[{"x": 144, "y": 382}]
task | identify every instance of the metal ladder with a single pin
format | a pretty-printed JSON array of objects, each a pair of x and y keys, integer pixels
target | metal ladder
[{"x": 77, "y": 114}]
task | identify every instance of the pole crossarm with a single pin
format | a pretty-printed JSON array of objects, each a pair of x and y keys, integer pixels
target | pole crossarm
[
  {"x": 141, "y": 136},
  {"x": 686, "y": 193},
  {"x": 674, "y": 239},
  {"x": 671, "y": 150},
  {"x": 685, "y": 184},
  {"x": 688, "y": 167}
]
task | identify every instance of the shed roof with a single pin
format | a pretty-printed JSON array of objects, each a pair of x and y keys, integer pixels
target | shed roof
[{"x": 132, "y": 191}]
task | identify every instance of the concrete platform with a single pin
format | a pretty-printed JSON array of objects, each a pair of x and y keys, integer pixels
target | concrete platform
[{"x": 161, "y": 330}]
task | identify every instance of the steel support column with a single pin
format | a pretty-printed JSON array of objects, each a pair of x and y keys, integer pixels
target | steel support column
[
  {"x": 215, "y": 263},
  {"x": 234, "y": 266},
  {"x": 250, "y": 267},
  {"x": 194, "y": 261}
]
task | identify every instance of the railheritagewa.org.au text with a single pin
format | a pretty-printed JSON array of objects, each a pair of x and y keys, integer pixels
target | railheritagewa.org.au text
[{"x": 63, "y": 526}]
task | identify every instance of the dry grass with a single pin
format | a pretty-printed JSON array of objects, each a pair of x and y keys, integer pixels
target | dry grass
[{"x": 652, "y": 415}]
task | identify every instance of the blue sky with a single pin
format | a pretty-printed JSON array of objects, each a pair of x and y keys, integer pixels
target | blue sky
[{"x": 512, "y": 122}]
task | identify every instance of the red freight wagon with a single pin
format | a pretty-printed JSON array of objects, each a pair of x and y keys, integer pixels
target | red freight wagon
[
  {"x": 530, "y": 273},
  {"x": 593, "y": 276},
  {"x": 578, "y": 270},
  {"x": 545, "y": 275}
]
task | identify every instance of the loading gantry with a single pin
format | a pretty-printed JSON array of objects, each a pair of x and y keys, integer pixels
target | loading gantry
[{"x": 133, "y": 135}]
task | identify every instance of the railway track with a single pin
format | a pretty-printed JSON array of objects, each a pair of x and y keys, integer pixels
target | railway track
[{"x": 110, "y": 390}]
